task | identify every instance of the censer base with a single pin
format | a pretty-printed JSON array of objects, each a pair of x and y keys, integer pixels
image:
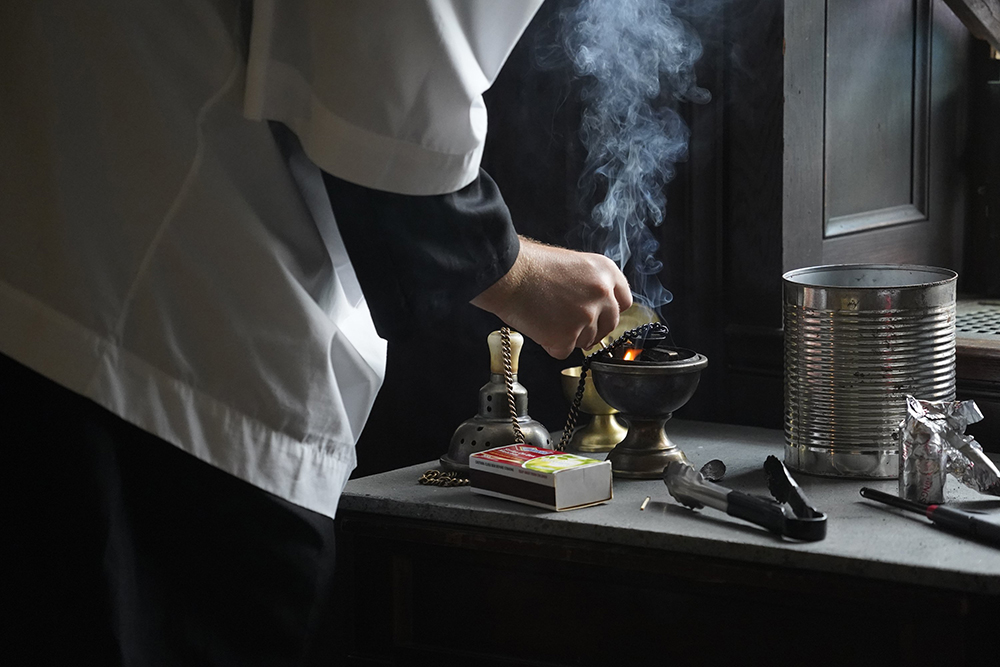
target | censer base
[
  {"x": 602, "y": 434},
  {"x": 604, "y": 430},
  {"x": 451, "y": 465},
  {"x": 645, "y": 452},
  {"x": 479, "y": 434}
]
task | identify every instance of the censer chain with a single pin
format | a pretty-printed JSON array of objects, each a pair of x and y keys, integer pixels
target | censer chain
[{"x": 508, "y": 378}]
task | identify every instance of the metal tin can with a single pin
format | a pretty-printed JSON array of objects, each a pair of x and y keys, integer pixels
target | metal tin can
[{"x": 858, "y": 339}]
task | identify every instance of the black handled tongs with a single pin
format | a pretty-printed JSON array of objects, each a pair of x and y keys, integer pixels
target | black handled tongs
[{"x": 789, "y": 514}]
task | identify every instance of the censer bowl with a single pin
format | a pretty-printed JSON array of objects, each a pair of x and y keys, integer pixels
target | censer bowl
[{"x": 646, "y": 393}]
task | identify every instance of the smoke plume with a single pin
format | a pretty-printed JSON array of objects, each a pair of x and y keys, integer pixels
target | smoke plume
[{"x": 636, "y": 59}]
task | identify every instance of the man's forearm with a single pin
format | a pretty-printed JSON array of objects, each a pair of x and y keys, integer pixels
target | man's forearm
[{"x": 561, "y": 299}]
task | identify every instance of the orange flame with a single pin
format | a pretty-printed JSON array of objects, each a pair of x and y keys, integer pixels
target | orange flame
[{"x": 630, "y": 355}]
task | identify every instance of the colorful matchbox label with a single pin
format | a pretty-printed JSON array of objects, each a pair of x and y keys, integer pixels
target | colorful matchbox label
[{"x": 540, "y": 477}]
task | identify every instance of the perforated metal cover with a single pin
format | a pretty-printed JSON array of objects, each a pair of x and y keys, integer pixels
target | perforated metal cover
[{"x": 978, "y": 319}]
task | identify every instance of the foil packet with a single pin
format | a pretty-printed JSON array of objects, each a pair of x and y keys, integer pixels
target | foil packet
[{"x": 933, "y": 444}]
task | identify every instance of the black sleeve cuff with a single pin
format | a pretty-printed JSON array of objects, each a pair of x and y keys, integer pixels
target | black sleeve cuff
[{"x": 419, "y": 257}]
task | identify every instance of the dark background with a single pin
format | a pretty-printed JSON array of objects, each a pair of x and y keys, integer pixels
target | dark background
[{"x": 734, "y": 216}]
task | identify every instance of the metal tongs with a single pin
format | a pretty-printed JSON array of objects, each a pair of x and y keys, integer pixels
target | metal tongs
[{"x": 790, "y": 514}]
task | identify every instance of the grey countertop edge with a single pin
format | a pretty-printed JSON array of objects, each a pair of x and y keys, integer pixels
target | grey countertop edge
[
  {"x": 782, "y": 553},
  {"x": 864, "y": 539}
]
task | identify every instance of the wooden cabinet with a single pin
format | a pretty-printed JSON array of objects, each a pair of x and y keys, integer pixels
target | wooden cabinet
[{"x": 426, "y": 593}]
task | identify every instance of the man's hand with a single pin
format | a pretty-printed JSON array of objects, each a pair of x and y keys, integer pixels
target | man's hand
[{"x": 561, "y": 299}]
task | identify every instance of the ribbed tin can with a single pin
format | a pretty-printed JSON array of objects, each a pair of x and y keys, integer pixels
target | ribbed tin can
[{"x": 858, "y": 339}]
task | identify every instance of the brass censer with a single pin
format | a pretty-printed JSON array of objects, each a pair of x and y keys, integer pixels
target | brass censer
[
  {"x": 645, "y": 379},
  {"x": 604, "y": 431},
  {"x": 503, "y": 409}
]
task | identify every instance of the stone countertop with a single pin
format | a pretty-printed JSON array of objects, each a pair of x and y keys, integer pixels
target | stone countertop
[{"x": 864, "y": 538}]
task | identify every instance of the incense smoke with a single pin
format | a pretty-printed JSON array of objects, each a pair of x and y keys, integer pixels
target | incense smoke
[{"x": 637, "y": 60}]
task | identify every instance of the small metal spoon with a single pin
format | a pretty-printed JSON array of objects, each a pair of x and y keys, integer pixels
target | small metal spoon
[{"x": 714, "y": 470}]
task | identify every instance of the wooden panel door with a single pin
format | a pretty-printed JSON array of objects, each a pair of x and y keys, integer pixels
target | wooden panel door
[{"x": 874, "y": 133}]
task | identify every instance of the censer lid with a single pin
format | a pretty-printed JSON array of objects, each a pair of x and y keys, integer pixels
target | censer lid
[
  {"x": 495, "y": 342},
  {"x": 659, "y": 353}
]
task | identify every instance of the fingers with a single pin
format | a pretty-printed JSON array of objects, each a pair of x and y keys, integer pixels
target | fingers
[
  {"x": 558, "y": 352},
  {"x": 610, "y": 305},
  {"x": 606, "y": 323},
  {"x": 598, "y": 327},
  {"x": 588, "y": 335},
  {"x": 623, "y": 294},
  {"x": 593, "y": 312}
]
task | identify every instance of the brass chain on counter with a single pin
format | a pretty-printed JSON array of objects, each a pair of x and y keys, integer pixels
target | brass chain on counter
[{"x": 442, "y": 478}]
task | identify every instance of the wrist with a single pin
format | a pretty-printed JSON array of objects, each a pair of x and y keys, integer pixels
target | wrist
[{"x": 505, "y": 292}]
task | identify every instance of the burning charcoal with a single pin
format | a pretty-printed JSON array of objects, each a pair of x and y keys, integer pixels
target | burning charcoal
[
  {"x": 631, "y": 344},
  {"x": 648, "y": 340},
  {"x": 628, "y": 353},
  {"x": 659, "y": 354}
]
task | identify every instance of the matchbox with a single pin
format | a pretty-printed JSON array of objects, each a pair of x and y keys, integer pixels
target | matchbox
[{"x": 540, "y": 477}]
